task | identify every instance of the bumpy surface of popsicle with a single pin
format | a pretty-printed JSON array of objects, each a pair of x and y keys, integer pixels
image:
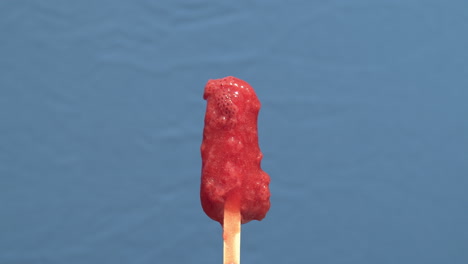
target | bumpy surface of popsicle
[{"x": 230, "y": 153}]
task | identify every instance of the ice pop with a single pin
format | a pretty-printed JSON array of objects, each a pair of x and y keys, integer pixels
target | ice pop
[
  {"x": 234, "y": 189},
  {"x": 230, "y": 153}
]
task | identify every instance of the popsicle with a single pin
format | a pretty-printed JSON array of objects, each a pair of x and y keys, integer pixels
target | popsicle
[{"x": 234, "y": 188}]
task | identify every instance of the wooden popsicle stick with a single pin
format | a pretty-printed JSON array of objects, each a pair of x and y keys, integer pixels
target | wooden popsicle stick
[{"x": 232, "y": 229}]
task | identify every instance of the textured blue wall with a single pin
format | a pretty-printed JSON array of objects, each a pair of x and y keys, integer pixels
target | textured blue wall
[{"x": 364, "y": 129}]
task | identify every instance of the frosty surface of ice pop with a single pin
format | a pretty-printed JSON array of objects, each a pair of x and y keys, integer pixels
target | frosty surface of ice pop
[{"x": 230, "y": 153}]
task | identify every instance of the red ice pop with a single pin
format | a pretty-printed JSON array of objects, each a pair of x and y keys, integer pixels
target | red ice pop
[{"x": 230, "y": 153}]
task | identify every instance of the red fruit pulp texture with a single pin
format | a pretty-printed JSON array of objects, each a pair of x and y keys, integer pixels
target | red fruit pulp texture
[{"x": 230, "y": 153}]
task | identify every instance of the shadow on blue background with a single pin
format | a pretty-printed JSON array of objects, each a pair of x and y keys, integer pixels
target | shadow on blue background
[{"x": 363, "y": 129}]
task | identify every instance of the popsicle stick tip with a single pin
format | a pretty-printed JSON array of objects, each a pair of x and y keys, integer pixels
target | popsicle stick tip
[{"x": 232, "y": 230}]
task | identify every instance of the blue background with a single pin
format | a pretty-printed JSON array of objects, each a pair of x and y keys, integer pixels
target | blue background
[{"x": 363, "y": 129}]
